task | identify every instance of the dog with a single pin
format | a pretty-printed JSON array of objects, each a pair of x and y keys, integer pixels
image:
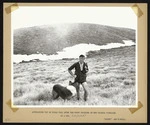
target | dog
[{"x": 65, "y": 92}]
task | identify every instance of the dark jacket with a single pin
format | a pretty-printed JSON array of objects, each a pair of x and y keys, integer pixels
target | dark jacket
[{"x": 81, "y": 75}]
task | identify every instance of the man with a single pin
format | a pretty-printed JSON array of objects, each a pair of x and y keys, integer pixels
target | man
[{"x": 81, "y": 69}]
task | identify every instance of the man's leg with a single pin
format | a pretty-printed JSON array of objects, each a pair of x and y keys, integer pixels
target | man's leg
[
  {"x": 85, "y": 87},
  {"x": 78, "y": 91}
]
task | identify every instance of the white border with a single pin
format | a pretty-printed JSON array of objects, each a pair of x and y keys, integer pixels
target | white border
[
  {"x": 74, "y": 106},
  {"x": 136, "y": 64},
  {"x": 12, "y": 43}
]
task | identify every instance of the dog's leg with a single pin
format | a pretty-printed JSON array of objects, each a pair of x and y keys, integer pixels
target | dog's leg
[
  {"x": 55, "y": 95},
  {"x": 64, "y": 100}
]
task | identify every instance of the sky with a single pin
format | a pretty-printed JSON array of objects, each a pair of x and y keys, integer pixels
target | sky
[{"x": 28, "y": 16}]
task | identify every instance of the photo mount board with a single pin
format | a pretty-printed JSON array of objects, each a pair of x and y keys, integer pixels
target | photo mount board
[{"x": 76, "y": 114}]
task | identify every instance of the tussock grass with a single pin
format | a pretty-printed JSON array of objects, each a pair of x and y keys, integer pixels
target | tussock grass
[{"x": 111, "y": 80}]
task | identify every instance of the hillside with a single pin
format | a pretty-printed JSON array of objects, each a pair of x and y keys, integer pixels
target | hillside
[
  {"x": 52, "y": 38},
  {"x": 122, "y": 51},
  {"x": 111, "y": 80}
]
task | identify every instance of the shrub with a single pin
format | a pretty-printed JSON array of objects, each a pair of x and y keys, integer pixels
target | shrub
[
  {"x": 128, "y": 82},
  {"x": 18, "y": 92}
]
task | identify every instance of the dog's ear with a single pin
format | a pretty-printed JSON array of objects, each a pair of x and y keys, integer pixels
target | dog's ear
[{"x": 70, "y": 83}]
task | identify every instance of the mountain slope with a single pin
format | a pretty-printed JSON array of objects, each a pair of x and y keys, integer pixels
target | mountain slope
[{"x": 52, "y": 38}]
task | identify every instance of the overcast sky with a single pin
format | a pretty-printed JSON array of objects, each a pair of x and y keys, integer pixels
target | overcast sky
[{"x": 112, "y": 16}]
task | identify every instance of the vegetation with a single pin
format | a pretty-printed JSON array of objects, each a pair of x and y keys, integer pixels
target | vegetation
[
  {"x": 53, "y": 38},
  {"x": 111, "y": 79}
]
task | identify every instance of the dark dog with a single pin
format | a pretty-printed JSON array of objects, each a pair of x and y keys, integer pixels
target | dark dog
[{"x": 65, "y": 92}]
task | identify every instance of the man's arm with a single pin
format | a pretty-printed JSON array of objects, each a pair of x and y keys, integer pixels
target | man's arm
[
  {"x": 86, "y": 68},
  {"x": 70, "y": 72}
]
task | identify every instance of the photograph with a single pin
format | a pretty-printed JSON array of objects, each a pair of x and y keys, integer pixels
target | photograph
[{"x": 74, "y": 56}]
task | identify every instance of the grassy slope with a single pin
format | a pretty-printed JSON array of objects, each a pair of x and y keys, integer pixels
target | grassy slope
[
  {"x": 50, "y": 39},
  {"x": 111, "y": 80}
]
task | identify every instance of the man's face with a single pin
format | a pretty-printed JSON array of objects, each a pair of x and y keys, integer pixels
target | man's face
[{"x": 81, "y": 59}]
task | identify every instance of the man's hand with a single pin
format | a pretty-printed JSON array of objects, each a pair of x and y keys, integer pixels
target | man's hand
[
  {"x": 71, "y": 73},
  {"x": 74, "y": 76}
]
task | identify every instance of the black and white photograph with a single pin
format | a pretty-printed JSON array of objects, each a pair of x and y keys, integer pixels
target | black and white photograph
[{"x": 74, "y": 56}]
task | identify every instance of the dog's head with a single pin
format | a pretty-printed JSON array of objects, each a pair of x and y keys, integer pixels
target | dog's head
[
  {"x": 70, "y": 82},
  {"x": 75, "y": 84}
]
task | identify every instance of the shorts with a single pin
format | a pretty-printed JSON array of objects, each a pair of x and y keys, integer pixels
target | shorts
[{"x": 80, "y": 79}]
